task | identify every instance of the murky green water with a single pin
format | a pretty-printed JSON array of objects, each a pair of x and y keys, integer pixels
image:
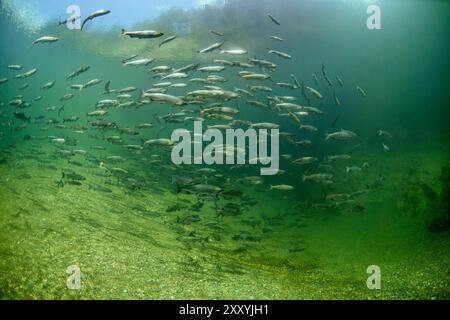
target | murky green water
[{"x": 138, "y": 233}]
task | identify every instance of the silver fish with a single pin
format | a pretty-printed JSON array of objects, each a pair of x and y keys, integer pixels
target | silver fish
[
  {"x": 341, "y": 135},
  {"x": 94, "y": 15},
  {"x": 280, "y": 54},
  {"x": 46, "y": 39},
  {"x": 162, "y": 97},
  {"x": 144, "y": 34},
  {"x": 212, "y": 47},
  {"x": 167, "y": 40},
  {"x": 139, "y": 62}
]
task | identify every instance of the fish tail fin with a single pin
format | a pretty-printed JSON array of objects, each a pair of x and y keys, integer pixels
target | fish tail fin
[
  {"x": 303, "y": 178},
  {"x": 347, "y": 169},
  {"x": 271, "y": 187},
  {"x": 123, "y": 31}
]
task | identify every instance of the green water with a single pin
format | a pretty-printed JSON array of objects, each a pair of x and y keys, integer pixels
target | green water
[{"x": 134, "y": 242}]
